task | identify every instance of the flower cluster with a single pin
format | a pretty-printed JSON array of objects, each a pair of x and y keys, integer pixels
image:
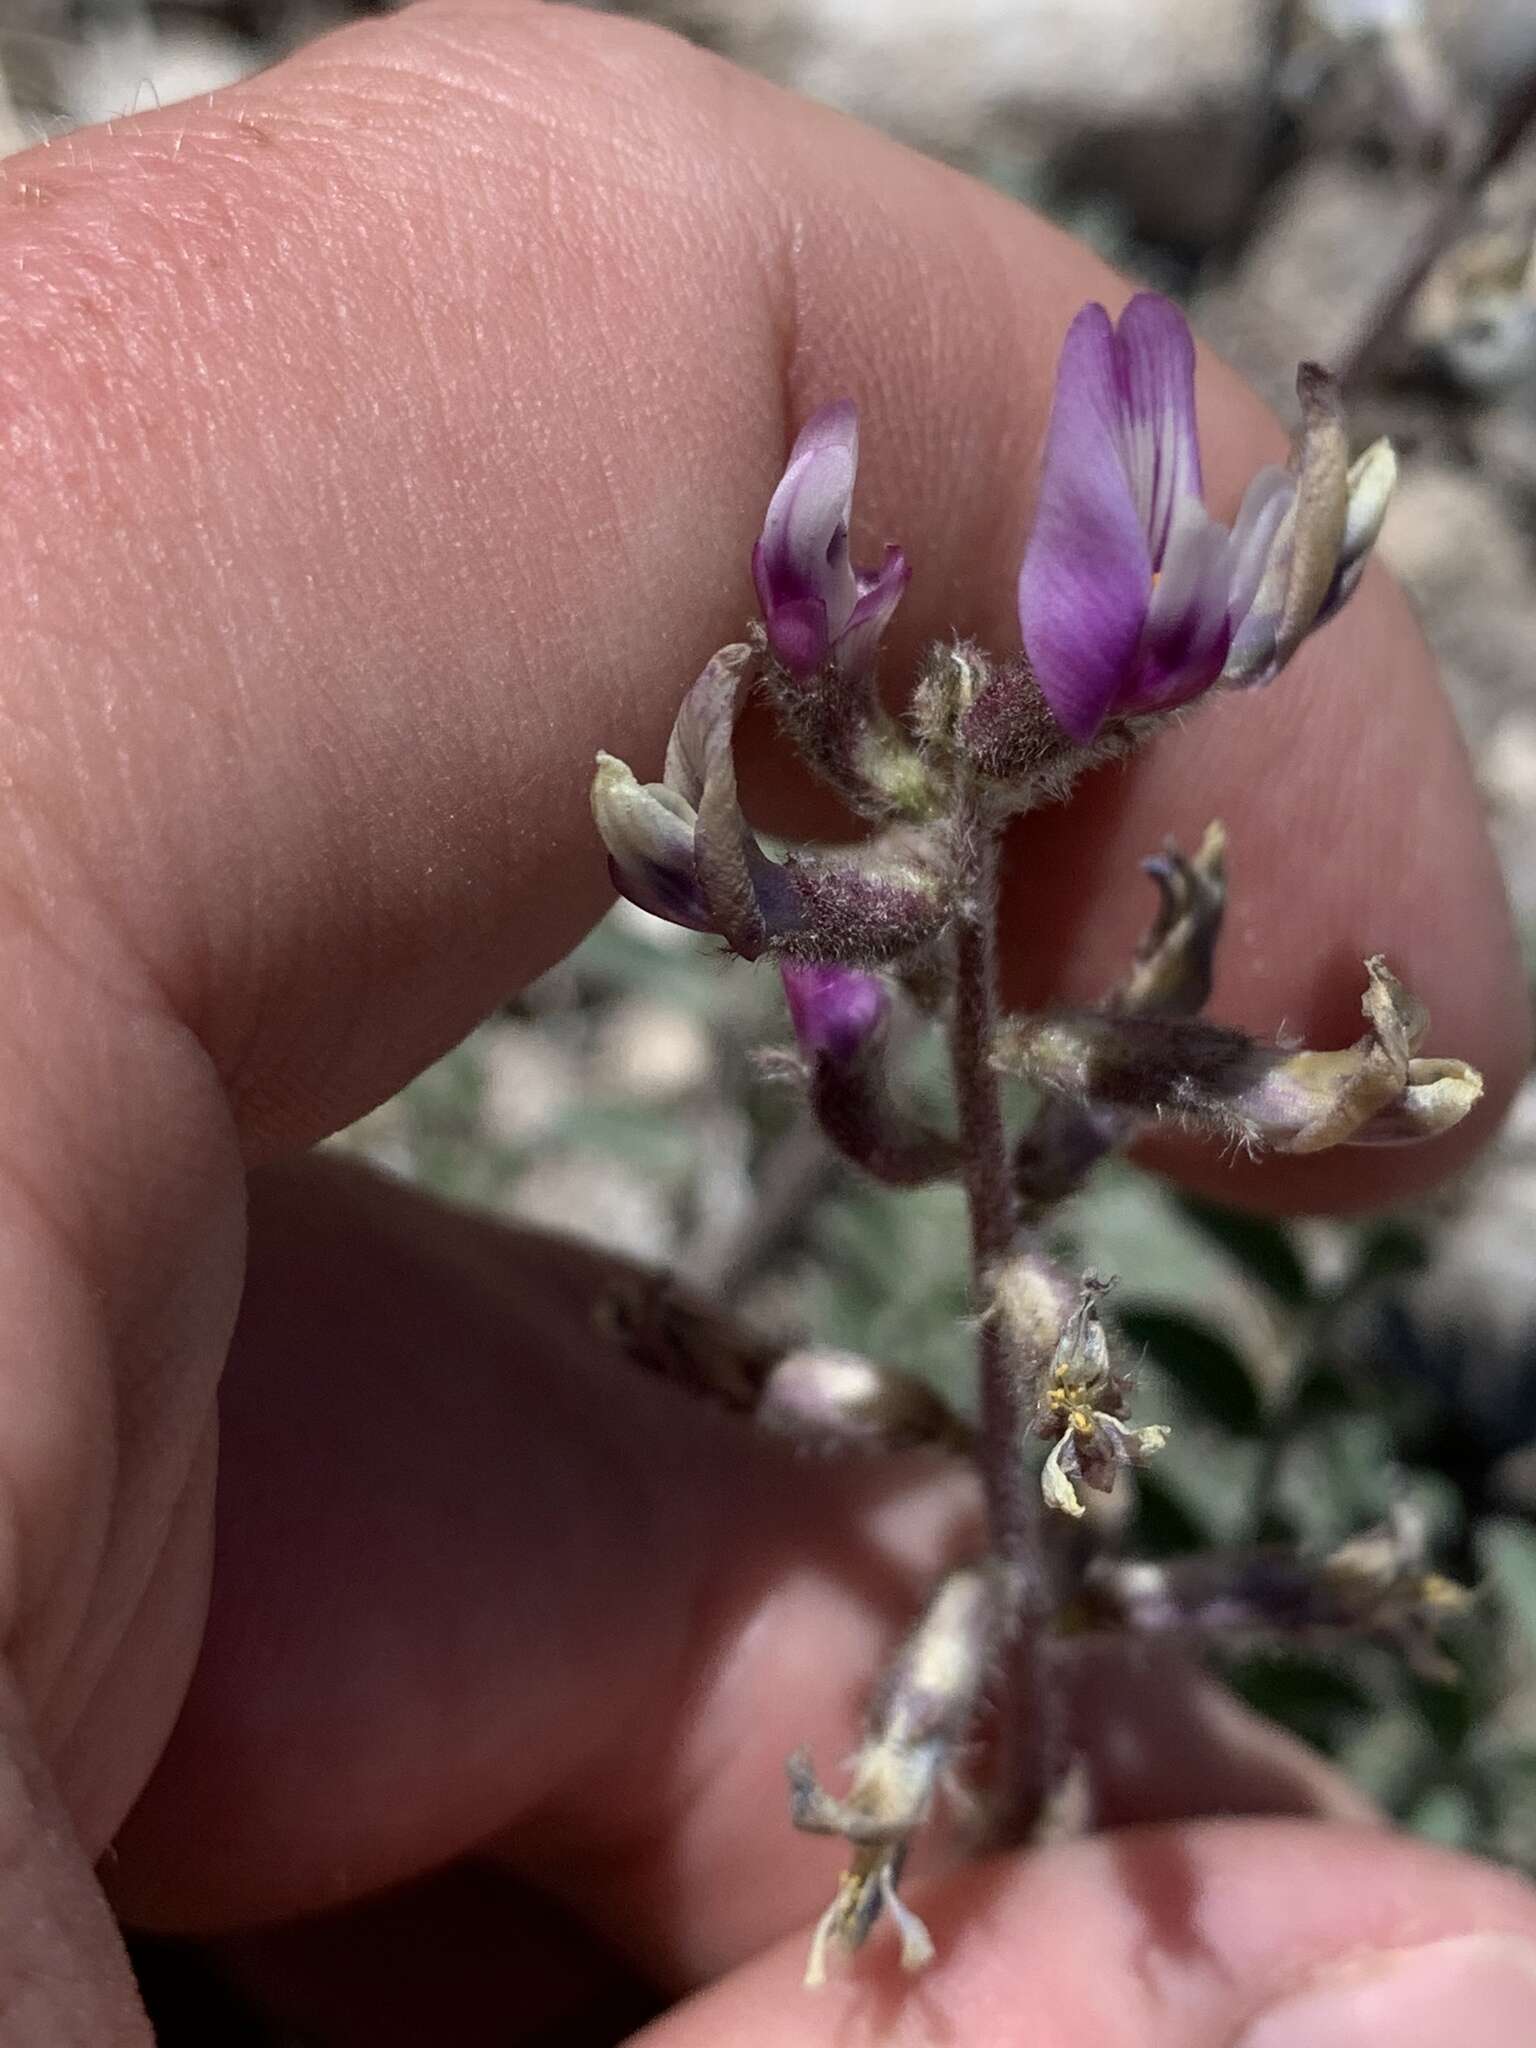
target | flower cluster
[{"x": 1133, "y": 601}]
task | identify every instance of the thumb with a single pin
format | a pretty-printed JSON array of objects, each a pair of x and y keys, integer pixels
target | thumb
[
  {"x": 64, "y": 1979},
  {"x": 1221, "y": 1934}
]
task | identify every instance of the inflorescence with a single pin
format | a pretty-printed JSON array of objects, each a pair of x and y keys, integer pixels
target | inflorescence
[{"x": 1133, "y": 602}]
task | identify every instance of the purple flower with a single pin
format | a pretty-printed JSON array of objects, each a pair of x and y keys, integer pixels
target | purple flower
[
  {"x": 836, "y": 1011},
  {"x": 816, "y": 604},
  {"x": 1132, "y": 598},
  {"x": 681, "y": 848}
]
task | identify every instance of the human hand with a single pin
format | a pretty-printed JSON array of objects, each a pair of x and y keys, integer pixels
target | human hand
[{"x": 386, "y": 434}]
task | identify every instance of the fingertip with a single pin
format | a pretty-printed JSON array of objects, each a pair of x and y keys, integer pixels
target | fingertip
[{"x": 1155, "y": 1938}]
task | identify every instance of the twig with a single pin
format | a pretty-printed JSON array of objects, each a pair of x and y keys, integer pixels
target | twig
[
  {"x": 1012, "y": 1507},
  {"x": 1505, "y": 131}
]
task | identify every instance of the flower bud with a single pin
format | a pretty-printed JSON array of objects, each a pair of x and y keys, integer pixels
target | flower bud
[
  {"x": 683, "y": 1338},
  {"x": 1319, "y": 550},
  {"x": 836, "y": 1011},
  {"x": 648, "y": 830},
  {"x": 1372, "y": 480},
  {"x": 839, "y": 1015},
  {"x": 823, "y": 619},
  {"x": 681, "y": 848},
  {"x": 1376, "y": 1584},
  {"x": 816, "y": 606},
  {"x": 1033, "y": 1302},
  {"x": 1301, "y": 560},
  {"x": 1171, "y": 976},
  {"x": 838, "y": 1400},
  {"x": 1174, "y": 962}
]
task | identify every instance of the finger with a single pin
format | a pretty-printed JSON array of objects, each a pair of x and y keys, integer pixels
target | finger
[
  {"x": 64, "y": 1980},
  {"x": 1224, "y": 1935},
  {"x": 524, "y": 303},
  {"x": 476, "y": 1571},
  {"x": 1161, "y": 1741},
  {"x": 468, "y": 1956},
  {"x": 481, "y": 1579}
]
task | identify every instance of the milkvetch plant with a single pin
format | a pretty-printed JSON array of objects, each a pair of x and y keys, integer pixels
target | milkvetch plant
[{"x": 1134, "y": 602}]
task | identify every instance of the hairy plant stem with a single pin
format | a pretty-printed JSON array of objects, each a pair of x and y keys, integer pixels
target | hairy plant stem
[{"x": 1013, "y": 1509}]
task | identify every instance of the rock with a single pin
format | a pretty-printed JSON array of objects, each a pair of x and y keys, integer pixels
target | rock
[
  {"x": 1490, "y": 44},
  {"x": 1507, "y": 771},
  {"x": 1451, "y": 541},
  {"x": 1360, "y": 73},
  {"x": 652, "y": 1051},
  {"x": 1504, "y": 443},
  {"x": 1158, "y": 102},
  {"x": 1331, "y": 240},
  {"x": 1509, "y": 763},
  {"x": 531, "y": 1077},
  {"x": 593, "y": 1196}
]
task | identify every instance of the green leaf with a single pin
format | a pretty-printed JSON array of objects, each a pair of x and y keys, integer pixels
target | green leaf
[
  {"x": 1202, "y": 1365},
  {"x": 1387, "y": 1251},
  {"x": 1506, "y": 1550},
  {"x": 1262, "y": 1248},
  {"x": 1391, "y": 1756},
  {"x": 1324, "y": 1703},
  {"x": 1446, "y": 1814},
  {"x": 1166, "y": 1525}
]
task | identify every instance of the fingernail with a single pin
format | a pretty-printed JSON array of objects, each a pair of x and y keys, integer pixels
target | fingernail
[{"x": 1478, "y": 1988}]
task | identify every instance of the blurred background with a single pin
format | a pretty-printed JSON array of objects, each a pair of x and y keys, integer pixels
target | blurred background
[{"x": 1351, "y": 179}]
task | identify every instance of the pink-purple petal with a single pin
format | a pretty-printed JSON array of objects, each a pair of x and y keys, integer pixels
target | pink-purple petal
[
  {"x": 879, "y": 594},
  {"x": 815, "y": 603},
  {"x": 1265, "y": 503},
  {"x": 833, "y": 426},
  {"x": 1156, "y": 353},
  {"x": 805, "y": 533},
  {"x": 666, "y": 892},
  {"x": 835, "y": 1010},
  {"x": 1086, "y": 578},
  {"x": 1187, "y": 633}
]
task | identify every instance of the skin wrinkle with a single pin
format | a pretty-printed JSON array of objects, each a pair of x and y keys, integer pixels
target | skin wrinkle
[
  {"x": 146, "y": 1404},
  {"x": 719, "y": 74},
  {"x": 64, "y": 1981},
  {"x": 135, "y": 1662},
  {"x": 625, "y": 1479}
]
